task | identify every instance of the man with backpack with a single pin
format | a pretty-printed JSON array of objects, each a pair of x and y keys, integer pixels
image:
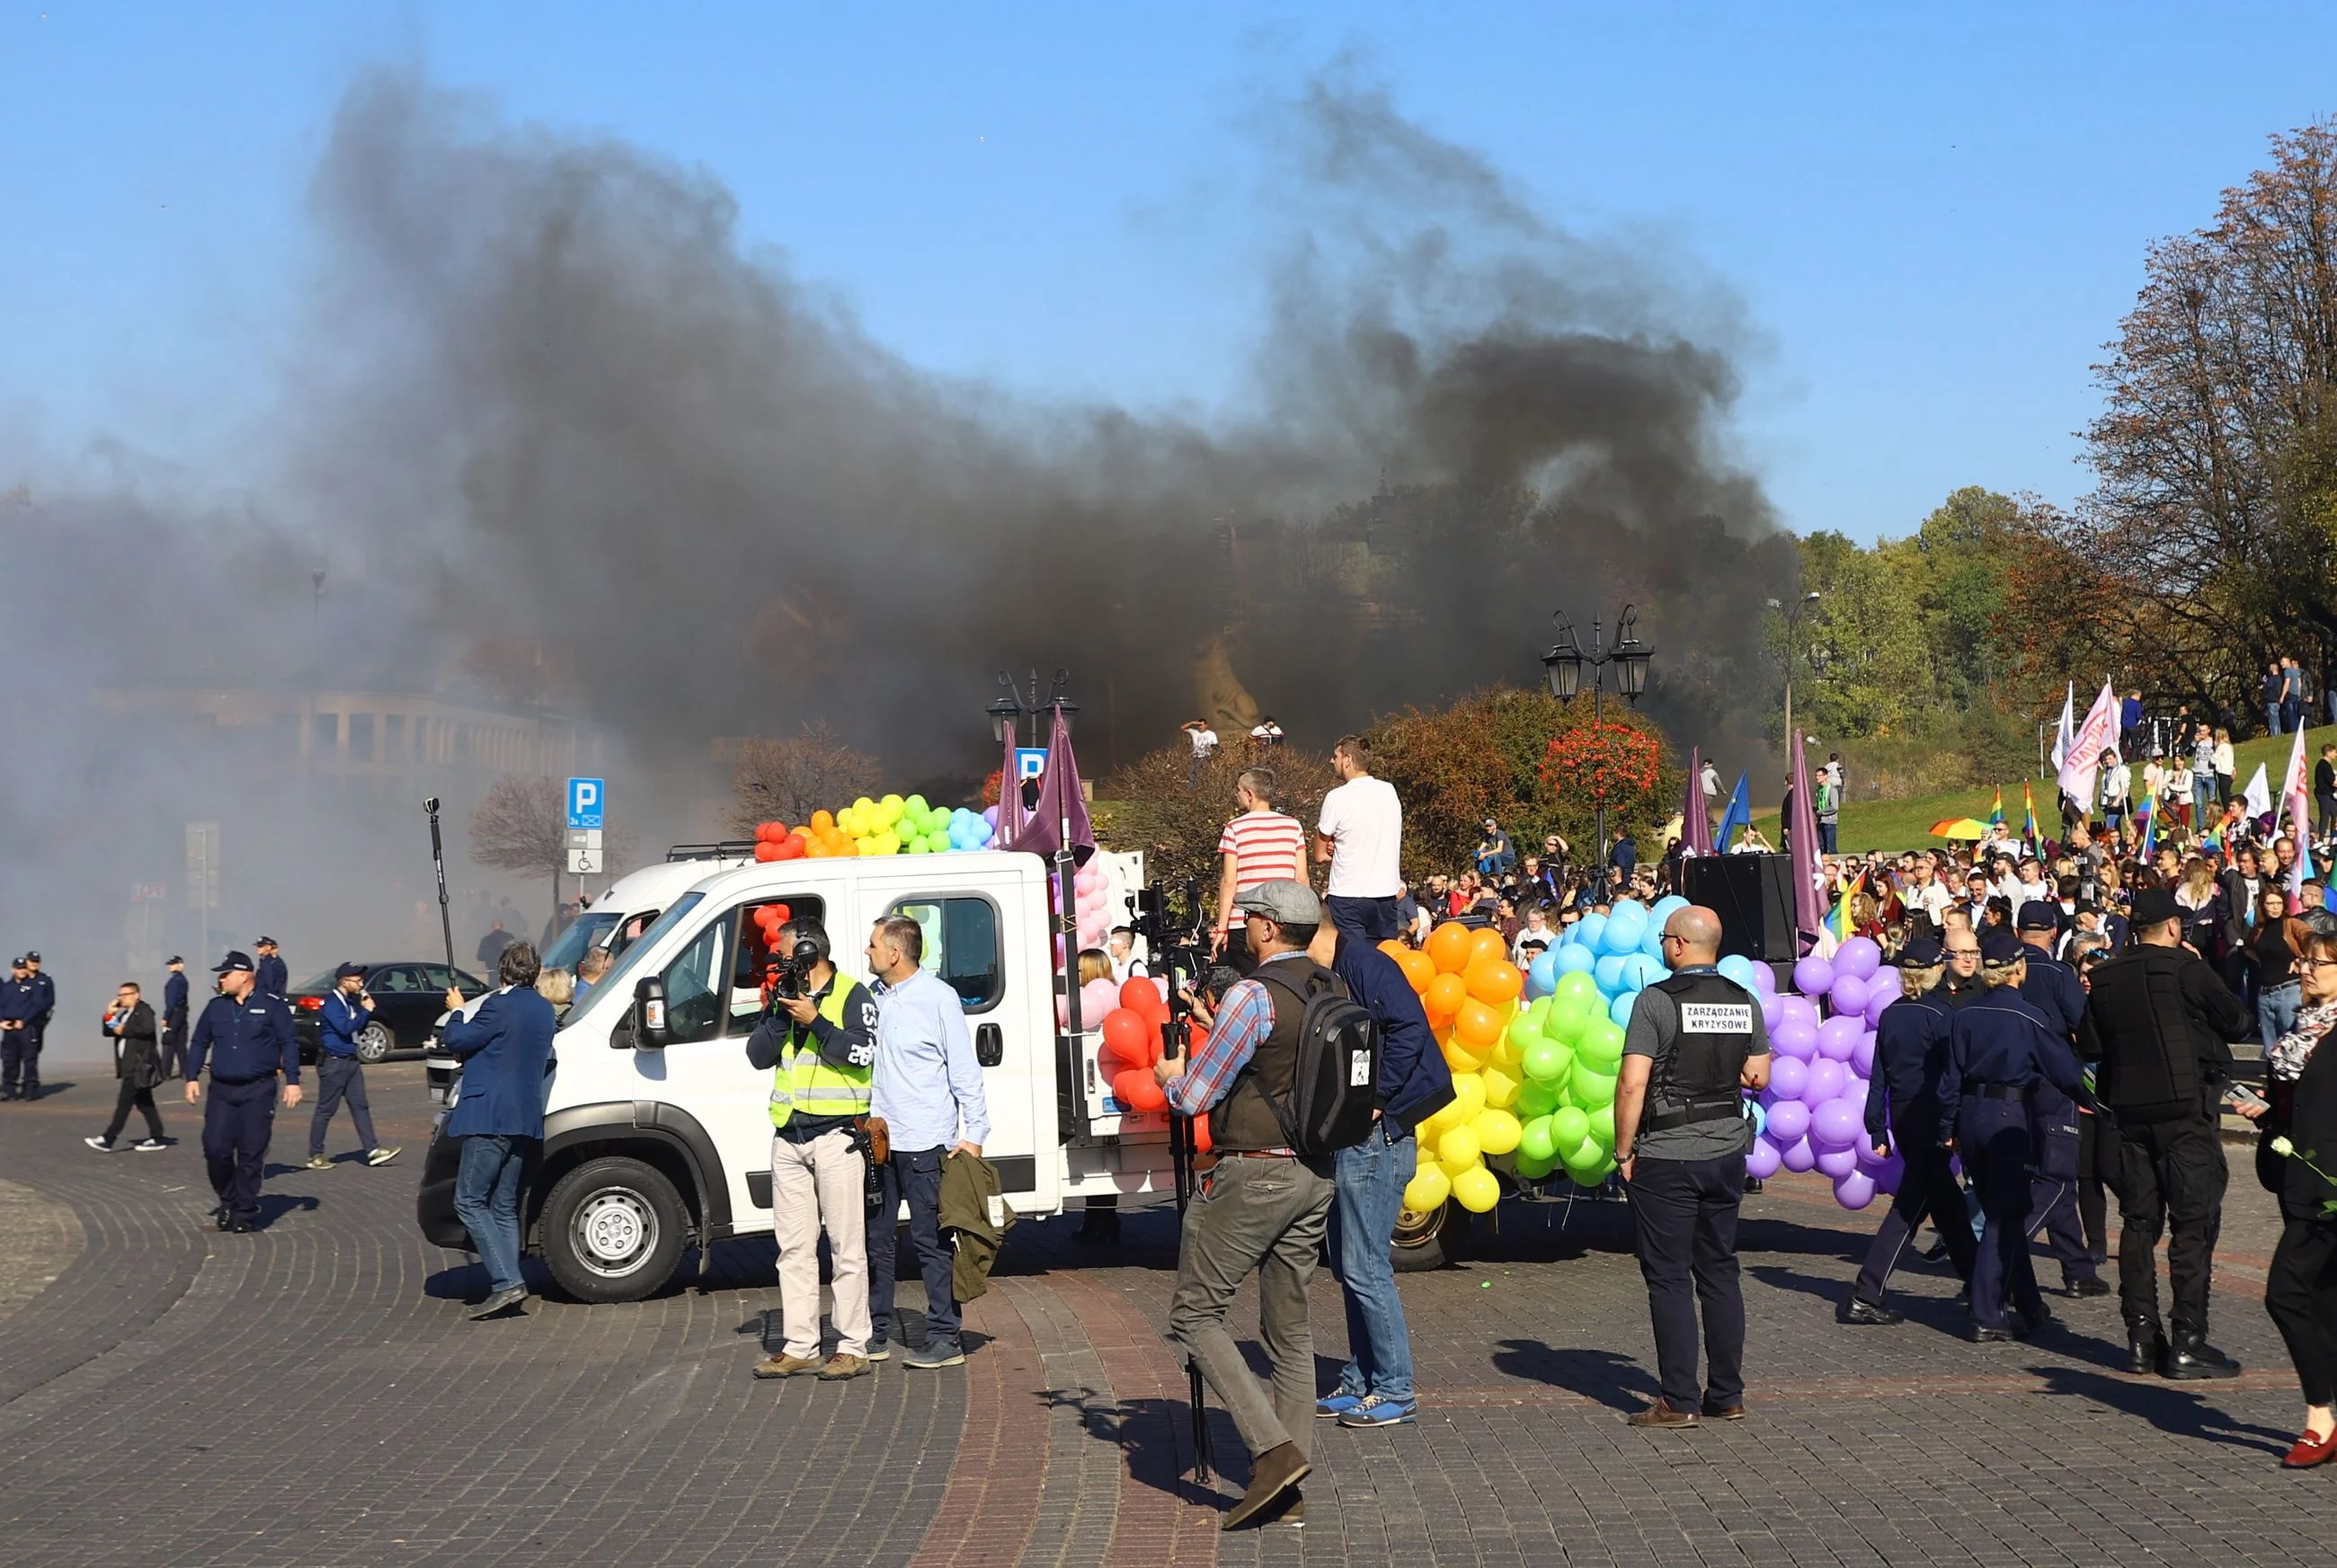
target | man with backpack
[{"x": 1289, "y": 1074}]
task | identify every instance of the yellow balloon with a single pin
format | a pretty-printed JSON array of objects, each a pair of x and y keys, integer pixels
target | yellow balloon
[
  {"x": 1506, "y": 1055},
  {"x": 1459, "y": 1057},
  {"x": 1497, "y": 1131},
  {"x": 1429, "y": 1187},
  {"x": 1467, "y": 1094},
  {"x": 1476, "y": 1190},
  {"x": 1457, "y": 1148},
  {"x": 1501, "y": 1088}
]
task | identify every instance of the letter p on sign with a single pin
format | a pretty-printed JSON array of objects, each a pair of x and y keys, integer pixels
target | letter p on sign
[{"x": 584, "y": 798}]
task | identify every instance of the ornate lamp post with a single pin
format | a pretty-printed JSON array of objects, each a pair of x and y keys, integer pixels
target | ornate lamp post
[{"x": 1565, "y": 663}]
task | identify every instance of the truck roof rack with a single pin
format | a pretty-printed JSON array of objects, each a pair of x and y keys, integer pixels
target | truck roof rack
[{"x": 725, "y": 850}]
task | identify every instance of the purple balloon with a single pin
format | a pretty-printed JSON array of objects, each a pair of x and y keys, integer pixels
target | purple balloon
[
  {"x": 1889, "y": 1174},
  {"x": 1798, "y": 1155},
  {"x": 1801, "y": 1010},
  {"x": 1878, "y": 998},
  {"x": 990, "y": 815},
  {"x": 1812, "y": 976},
  {"x": 1764, "y": 979},
  {"x": 1848, "y": 996},
  {"x": 1854, "y": 1190},
  {"x": 1762, "y": 1160},
  {"x": 1788, "y": 1120},
  {"x": 1838, "y": 1123},
  {"x": 1828, "y": 1080},
  {"x": 1795, "y": 1039},
  {"x": 1835, "y": 1161},
  {"x": 1859, "y": 956},
  {"x": 1862, "y": 1057},
  {"x": 1772, "y": 1012},
  {"x": 1837, "y": 1037},
  {"x": 1787, "y": 1077}
]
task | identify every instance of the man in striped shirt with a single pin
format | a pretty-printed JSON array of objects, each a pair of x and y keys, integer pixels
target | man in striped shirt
[{"x": 1261, "y": 845}]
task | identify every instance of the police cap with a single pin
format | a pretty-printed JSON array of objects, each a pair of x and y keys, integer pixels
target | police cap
[
  {"x": 2037, "y": 915},
  {"x": 2000, "y": 948},
  {"x": 173, "y": 959},
  {"x": 234, "y": 961},
  {"x": 2155, "y": 906},
  {"x": 31, "y": 957},
  {"x": 1920, "y": 953}
]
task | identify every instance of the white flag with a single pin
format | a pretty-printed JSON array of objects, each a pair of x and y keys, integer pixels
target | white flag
[
  {"x": 2081, "y": 759},
  {"x": 2064, "y": 732},
  {"x": 2257, "y": 796},
  {"x": 2297, "y": 803}
]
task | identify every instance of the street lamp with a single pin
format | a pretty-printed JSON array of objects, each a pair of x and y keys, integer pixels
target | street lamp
[
  {"x": 1006, "y": 711},
  {"x": 1564, "y": 665},
  {"x": 1792, "y": 644}
]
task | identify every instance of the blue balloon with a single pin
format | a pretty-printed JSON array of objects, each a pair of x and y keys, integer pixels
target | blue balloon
[
  {"x": 1665, "y": 908},
  {"x": 1620, "y": 1010},
  {"x": 1738, "y": 968},
  {"x": 1640, "y": 971},
  {"x": 1593, "y": 928},
  {"x": 1541, "y": 976},
  {"x": 1627, "y": 924},
  {"x": 1576, "y": 958},
  {"x": 1652, "y": 944},
  {"x": 1610, "y": 974},
  {"x": 1760, "y": 1111}
]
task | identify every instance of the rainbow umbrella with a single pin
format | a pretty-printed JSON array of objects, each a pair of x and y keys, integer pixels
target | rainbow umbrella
[{"x": 1960, "y": 828}]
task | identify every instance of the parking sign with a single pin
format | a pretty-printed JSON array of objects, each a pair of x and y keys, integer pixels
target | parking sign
[
  {"x": 584, "y": 798},
  {"x": 1029, "y": 762}
]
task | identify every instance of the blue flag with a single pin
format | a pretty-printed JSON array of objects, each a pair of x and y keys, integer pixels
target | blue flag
[{"x": 1737, "y": 817}]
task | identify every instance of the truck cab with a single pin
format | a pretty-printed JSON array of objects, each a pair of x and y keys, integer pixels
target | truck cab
[{"x": 657, "y": 1130}]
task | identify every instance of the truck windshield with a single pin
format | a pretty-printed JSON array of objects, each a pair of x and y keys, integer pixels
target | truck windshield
[
  {"x": 619, "y": 980},
  {"x": 582, "y": 934}
]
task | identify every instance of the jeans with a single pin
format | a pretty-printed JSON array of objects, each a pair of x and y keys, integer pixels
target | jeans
[
  {"x": 2300, "y": 1294},
  {"x": 486, "y": 1200},
  {"x": 1267, "y": 1215},
  {"x": 2203, "y": 798},
  {"x": 2277, "y": 1012},
  {"x": 338, "y": 1078},
  {"x": 1370, "y": 919},
  {"x": 1369, "y": 1180},
  {"x": 1686, "y": 1213},
  {"x": 1828, "y": 832},
  {"x": 2171, "y": 1178},
  {"x": 914, "y": 1174},
  {"x": 2272, "y": 719},
  {"x": 236, "y": 1120}
]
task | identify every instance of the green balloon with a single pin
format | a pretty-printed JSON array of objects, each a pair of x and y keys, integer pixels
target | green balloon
[
  {"x": 1536, "y": 1099},
  {"x": 1568, "y": 1128},
  {"x": 1534, "y": 1170},
  {"x": 1545, "y": 1062},
  {"x": 1602, "y": 1127},
  {"x": 1569, "y": 1017},
  {"x": 912, "y": 846},
  {"x": 1535, "y": 1142},
  {"x": 1601, "y": 1045},
  {"x": 916, "y": 806},
  {"x": 1525, "y": 1033},
  {"x": 1576, "y": 983},
  {"x": 1585, "y": 1176},
  {"x": 1536, "y": 1009},
  {"x": 1590, "y": 1089}
]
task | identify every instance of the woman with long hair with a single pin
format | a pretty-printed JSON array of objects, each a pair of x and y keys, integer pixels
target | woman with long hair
[{"x": 2275, "y": 968}]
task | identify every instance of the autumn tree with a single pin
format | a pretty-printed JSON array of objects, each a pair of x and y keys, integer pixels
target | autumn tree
[
  {"x": 1173, "y": 811},
  {"x": 787, "y": 780},
  {"x": 521, "y": 826}
]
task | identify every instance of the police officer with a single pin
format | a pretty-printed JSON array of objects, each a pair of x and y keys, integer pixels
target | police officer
[
  {"x": 1910, "y": 1054},
  {"x": 1695, "y": 1042},
  {"x": 20, "y": 1062},
  {"x": 2053, "y": 988},
  {"x": 1999, "y": 1048},
  {"x": 245, "y": 1036},
  {"x": 273, "y": 982},
  {"x": 174, "y": 1019},
  {"x": 2158, "y": 1020},
  {"x": 821, "y": 1046}
]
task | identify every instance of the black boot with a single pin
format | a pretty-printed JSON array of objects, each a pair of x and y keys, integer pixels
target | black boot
[
  {"x": 2146, "y": 1346},
  {"x": 2190, "y": 1358}
]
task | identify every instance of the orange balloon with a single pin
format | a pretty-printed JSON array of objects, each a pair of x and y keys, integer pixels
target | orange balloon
[
  {"x": 1448, "y": 948},
  {"x": 1495, "y": 984},
  {"x": 1444, "y": 995},
  {"x": 1419, "y": 968},
  {"x": 1202, "y": 1141},
  {"x": 1476, "y": 1025},
  {"x": 1394, "y": 949},
  {"x": 823, "y": 823},
  {"x": 1486, "y": 947}
]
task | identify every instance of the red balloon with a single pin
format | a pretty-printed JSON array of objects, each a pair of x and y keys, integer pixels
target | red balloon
[
  {"x": 1136, "y": 1089},
  {"x": 1202, "y": 1141},
  {"x": 1128, "y": 1036},
  {"x": 1140, "y": 994},
  {"x": 765, "y": 850}
]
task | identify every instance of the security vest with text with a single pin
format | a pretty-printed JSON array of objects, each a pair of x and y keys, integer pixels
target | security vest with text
[{"x": 803, "y": 1083}]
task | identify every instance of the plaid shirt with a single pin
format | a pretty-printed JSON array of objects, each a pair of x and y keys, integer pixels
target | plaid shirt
[{"x": 1245, "y": 1018}]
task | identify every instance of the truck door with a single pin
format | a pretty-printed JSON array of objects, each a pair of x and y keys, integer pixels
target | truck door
[{"x": 1011, "y": 1024}]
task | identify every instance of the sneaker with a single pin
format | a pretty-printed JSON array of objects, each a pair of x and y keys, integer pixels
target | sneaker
[
  {"x": 149, "y": 1145},
  {"x": 319, "y": 1163},
  {"x": 502, "y": 1300},
  {"x": 842, "y": 1368},
  {"x": 102, "y": 1146},
  {"x": 1376, "y": 1411},
  {"x": 879, "y": 1352},
  {"x": 933, "y": 1356},
  {"x": 1331, "y": 1407},
  {"x": 785, "y": 1366},
  {"x": 383, "y": 1156}
]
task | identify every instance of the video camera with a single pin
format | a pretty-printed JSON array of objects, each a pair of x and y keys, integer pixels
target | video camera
[{"x": 791, "y": 976}]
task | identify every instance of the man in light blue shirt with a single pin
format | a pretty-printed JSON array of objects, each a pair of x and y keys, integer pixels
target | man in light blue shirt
[{"x": 927, "y": 1093}]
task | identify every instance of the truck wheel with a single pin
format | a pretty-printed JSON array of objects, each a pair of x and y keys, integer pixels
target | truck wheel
[
  {"x": 374, "y": 1042},
  {"x": 613, "y": 1230},
  {"x": 1419, "y": 1242}
]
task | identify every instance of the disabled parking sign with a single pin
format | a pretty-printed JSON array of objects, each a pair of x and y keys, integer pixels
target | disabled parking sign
[{"x": 584, "y": 798}]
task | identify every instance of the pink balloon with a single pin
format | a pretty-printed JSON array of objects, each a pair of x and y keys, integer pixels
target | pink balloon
[
  {"x": 1798, "y": 1155},
  {"x": 1854, "y": 1190},
  {"x": 1762, "y": 1160},
  {"x": 1096, "y": 998},
  {"x": 1835, "y": 1161}
]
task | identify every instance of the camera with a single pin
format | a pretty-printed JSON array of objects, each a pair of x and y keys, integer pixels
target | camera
[{"x": 791, "y": 976}]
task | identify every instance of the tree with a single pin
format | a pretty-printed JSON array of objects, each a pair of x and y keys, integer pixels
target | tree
[
  {"x": 787, "y": 780},
  {"x": 1160, "y": 804},
  {"x": 521, "y": 825}
]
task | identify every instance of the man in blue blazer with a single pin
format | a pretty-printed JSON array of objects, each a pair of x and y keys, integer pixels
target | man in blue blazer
[{"x": 504, "y": 1047}]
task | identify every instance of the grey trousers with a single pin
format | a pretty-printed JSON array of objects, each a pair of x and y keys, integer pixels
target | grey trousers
[{"x": 1267, "y": 1215}]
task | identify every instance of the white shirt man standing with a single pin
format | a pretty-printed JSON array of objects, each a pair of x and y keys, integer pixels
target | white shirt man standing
[{"x": 1361, "y": 835}]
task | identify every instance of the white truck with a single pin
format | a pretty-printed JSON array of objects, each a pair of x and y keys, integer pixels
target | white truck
[{"x": 657, "y": 1131}]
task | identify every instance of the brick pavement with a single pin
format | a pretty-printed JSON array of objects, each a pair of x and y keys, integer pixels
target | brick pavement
[{"x": 310, "y": 1395}]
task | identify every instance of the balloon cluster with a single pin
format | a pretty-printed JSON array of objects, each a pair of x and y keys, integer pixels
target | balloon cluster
[
  {"x": 1812, "y": 1114},
  {"x": 1469, "y": 990},
  {"x": 894, "y": 825},
  {"x": 1133, "y": 1018},
  {"x": 1091, "y": 893},
  {"x": 769, "y": 919}
]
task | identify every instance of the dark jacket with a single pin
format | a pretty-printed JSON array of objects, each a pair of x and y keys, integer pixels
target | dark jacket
[
  {"x": 1414, "y": 1081},
  {"x": 174, "y": 1006},
  {"x": 2159, "y": 1022},
  {"x": 2054, "y": 989},
  {"x": 505, "y": 1046},
  {"x": 1910, "y": 1052},
  {"x": 970, "y": 1186},
  {"x": 135, "y": 1057},
  {"x": 44, "y": 1002},
  {"x": 2001, "y": 1041},
  {"x": 269, "y": 976},
  {"x": 244, "y": 1040},
  {"x": 2306, "y": 1112},
  {"x": 339, "y": 1022}
]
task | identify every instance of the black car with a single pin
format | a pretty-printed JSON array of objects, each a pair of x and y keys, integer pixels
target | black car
[{"x": 407, "y": 998}]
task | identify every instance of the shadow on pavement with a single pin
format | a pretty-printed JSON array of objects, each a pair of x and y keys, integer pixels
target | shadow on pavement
[
  {"x": 1617, "y": 1381},
  {"x": 2178, "y": 1411},
  {"x": 1155, "y": 1440},
  {"x": 274, "y": 1206}
]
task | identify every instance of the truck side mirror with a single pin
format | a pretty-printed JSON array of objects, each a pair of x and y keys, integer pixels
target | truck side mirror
[{"x": 649, "y": 1030}]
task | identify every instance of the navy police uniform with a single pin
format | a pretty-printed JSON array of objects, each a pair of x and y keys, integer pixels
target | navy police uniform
[
  {"x": 1999, "y": 1049},
  {"x": 2053, "y": 988},
  {"x": 246, "y": 1043},
  {"x": 270, "y": 976},
  {"x": 174, "y": 1021},
  {"x": 20, "y": 1042},
  {"x": 1903, "y": 1106}
]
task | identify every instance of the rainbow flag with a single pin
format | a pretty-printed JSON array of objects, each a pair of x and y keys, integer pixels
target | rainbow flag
[
  {"x": 1996, "y": 810},
  {"x": 2029, "y": 819},
  {"x": 2146, "y": 811},
  {"x": 1840, "y": 922}
]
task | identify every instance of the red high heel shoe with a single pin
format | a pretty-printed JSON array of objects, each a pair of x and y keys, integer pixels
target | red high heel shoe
[{"x": 2310, "y": 1451}]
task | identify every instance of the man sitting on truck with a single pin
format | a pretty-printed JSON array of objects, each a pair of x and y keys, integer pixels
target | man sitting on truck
[
  {"x": 820, "y": 1040},
  {"x": 1262, "y": 1207}
]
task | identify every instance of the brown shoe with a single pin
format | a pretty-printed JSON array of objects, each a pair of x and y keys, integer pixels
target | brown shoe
[
  {"x": 784, "y": 1366},
  {"x": 1662, "y": 1415},
  {"x": 1277, "y": 1471},
  {"x": 842, "y": 1368},
  {"x": 1713, "y": 1412}
]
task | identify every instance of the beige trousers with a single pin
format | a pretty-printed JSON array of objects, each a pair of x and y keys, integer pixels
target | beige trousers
[{"x": 825, "y": 1179}]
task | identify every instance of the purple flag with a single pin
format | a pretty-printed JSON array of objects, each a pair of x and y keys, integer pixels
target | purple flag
[
  {"x": 1059, "y": 799},
  {"x": 1695, "y": 827},
  {"x": 1809, "y": 907},
  {"x": 1010, "y": 790}
]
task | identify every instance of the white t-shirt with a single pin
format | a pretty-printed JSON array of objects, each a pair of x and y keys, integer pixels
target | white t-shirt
[{"x": 1365, "y": 823}]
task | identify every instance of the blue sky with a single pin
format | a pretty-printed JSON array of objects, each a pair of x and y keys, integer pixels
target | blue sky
[{"x": 1932, "y": 218}]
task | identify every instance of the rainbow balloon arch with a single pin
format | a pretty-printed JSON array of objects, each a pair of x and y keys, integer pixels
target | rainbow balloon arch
[{"x": 894, "y": 825}]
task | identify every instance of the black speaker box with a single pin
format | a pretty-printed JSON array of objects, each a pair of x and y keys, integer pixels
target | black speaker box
[{"x": 1753, "y": 895}]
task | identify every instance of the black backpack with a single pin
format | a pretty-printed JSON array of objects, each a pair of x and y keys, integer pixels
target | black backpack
[{"x": 1335, "y": 1083}]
